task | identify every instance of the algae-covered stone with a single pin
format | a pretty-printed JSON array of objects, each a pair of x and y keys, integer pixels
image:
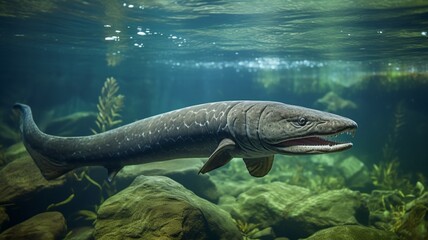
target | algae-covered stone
[
  {"x": 352, "y": 232},
  {"x": 294, "y": 212},
  {"x": 184, "y": 171},
  {"x": 15, "y": 151},
  {"x": 21, "y": 179},
  {"x": 265, "y": 204},
  {"x": 354, "y": 171},
  {"x": 328, "y": 209},
  {"x": 44, "y": 226},
  {"x": 160, "y": 208},
  {"x": 81, "y": 233}
]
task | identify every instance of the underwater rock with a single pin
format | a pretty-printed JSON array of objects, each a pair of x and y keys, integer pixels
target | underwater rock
[
  {"x": 21, "y": 179},
  {"x": 14, "y": 152},
  {"x": 227, "y": 202},
  {"x": 44, "y": 226},
  {"x": 82, "y": 233},
  {"x": 328, "y": 209},
  {"x": 332, "y": 102},
  {"x": 183, "y": 171},
  {"x": 352, "y": 232},
  {"x": 4, "y": 218},
  {"x": 156, "y": 207},
  {"x": 355, "y": 172},
  {"x": 265, "y": 204},
  {"x": 294, "y": 212}
]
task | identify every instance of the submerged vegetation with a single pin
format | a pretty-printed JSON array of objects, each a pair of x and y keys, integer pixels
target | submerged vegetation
[
  {"x": 385, "y": 176},
  {"x": 110, "y": 104},
  {"x": 61, "y": 203},
  {"x": 403, "y": 205},
  {"x": 248, "y": 230}
]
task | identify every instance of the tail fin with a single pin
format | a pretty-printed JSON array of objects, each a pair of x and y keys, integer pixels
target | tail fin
[
  {"x": 48, "y": 168},
  {"x": 34, "y": 141}
]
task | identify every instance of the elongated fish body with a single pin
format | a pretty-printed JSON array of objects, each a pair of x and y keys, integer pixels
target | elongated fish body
[{"x": 252, "y": 130}]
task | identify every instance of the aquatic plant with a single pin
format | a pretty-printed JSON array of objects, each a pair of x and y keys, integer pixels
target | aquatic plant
[
  {"x": 412, "y": 225},
  {"x": 61, "y": 203},
  {"x": 110, "y": 103},
  {"x": 385, "y": 176},
  {"x": 389, "y": 150},
  {"x": 248, "y": 230},
  {"x": 403, "y": 214},
  {"x": 87, "y": 215}
]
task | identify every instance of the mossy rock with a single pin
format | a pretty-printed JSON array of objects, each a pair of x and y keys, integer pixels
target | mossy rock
[
  {"x": 352, "y": 232},
  {"x": 44, "y": 226},
  {"x": 156, "y": 207}
]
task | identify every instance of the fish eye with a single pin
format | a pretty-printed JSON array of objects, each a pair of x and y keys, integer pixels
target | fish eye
[{"x": 302, "y": 121}]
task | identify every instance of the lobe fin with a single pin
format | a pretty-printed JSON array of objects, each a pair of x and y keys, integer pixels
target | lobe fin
[
  {"x": 112, "y": 171},
  {"x": 220, "y": 156},
  {"x": 259, "y": 167}
]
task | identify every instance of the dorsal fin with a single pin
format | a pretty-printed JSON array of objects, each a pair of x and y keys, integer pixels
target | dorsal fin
[
  {"x": 220, "y": 156},
  {"x": 259, "y": 167}
]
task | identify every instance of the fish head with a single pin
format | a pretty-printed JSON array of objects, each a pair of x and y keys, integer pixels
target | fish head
[{"x": 289, "y": 129}]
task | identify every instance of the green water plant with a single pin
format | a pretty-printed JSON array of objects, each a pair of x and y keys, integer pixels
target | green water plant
[
  {"x": 385, "y": 176},
  {"x": 110, "y": 104},
  {"x": 61, "y": 203},
  {"x": 412, "y": 225},
  {"x": 248, "y": 230},
  {"x": 87, "y": 215}
]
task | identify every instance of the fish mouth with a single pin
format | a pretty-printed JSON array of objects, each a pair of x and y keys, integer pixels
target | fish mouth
[{"x": 316, "y": 143}]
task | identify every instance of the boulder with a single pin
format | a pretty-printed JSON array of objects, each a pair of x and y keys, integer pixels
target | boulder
[
  {"x": 15, "y": 151},
  {"x": 44, "y": 226},
  {"x": 81, "y": 233},
  {"x": 21, "y": 180},
  {"x": 328, "y": 209},
  {"x": 184, "y": 171},
  {"x": 156, "y": 207},
  {"x": 295, "y": 212},
  {"x": 355, "y": 172},
  {"x": 352, "y": 232},
  {"x": 265, "y": 204}
]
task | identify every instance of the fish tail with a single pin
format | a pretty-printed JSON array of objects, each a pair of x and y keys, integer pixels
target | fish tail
[
  {"x": 48, "y": 168},
  {"x": 34, "y": 139}
]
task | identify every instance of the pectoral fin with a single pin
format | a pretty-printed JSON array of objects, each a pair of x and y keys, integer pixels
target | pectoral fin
[
  {"x": 112, "y": 171},
  {"x": 220, "y": 156},
  {"x": 259, "y": 167}
]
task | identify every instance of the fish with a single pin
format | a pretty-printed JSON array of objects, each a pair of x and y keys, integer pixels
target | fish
[{"x": 252, "y": 130}]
